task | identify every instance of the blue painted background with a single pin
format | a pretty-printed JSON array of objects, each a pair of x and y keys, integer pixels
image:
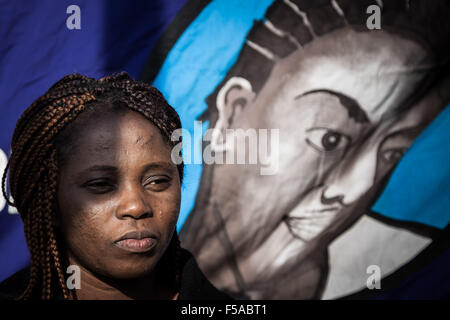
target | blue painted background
[{"x": 37, "y": 49}]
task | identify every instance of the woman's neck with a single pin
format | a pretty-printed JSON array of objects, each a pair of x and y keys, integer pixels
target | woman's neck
[{"x": 95, "y": 287}]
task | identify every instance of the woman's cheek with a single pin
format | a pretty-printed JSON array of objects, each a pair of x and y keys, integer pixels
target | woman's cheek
[
  {"x": 167, "y": 215},
  {"x": 86, "y": 232}
]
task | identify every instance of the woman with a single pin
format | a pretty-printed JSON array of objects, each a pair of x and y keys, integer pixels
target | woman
[{"x": 92, "y": 178}]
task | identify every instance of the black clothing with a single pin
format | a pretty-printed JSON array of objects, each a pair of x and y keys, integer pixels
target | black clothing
[{"x": 194, "y": 284}]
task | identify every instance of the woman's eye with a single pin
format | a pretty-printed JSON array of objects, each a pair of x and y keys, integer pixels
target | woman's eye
[
  {"x": 100, "y": 186},
  {"x": 158, "y": 183},
  {"x": 326, "y": 140}
]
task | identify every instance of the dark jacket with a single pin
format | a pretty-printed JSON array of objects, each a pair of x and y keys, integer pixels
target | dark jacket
[{"x": 194, "y": 284}]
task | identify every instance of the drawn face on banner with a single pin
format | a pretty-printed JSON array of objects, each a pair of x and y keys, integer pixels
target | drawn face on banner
[
  {"x": 342, "y": 105},
  {"x": 329, "y": 110}
]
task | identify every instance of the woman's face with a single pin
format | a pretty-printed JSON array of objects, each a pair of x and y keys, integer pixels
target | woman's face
[{"x": 118, "y": 196}]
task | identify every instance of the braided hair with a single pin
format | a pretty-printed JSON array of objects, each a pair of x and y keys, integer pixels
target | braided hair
[
  {"x": 41, "y": 144},
  {"x": 289, "y": 25}
]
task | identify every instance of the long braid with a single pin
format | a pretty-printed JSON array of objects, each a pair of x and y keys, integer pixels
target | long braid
[
  {"x": 52, "y": 239},
  {"x": 42, "y": 143},
  {"x": 33, "y": 226},
  {"x": 33, "y": 165}
]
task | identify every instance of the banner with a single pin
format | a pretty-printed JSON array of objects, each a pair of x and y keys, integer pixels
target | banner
[{"x": 316, "y": 132}]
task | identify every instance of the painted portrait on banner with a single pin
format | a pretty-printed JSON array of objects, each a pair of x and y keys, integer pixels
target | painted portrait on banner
[
  {"x": 315, "y": 133},
  {"x": 348, "y": 99}
]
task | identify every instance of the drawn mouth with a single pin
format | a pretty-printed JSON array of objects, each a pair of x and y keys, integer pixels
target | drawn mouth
[
  {"x": 310, "y": 223},
  {"x": 322, "y": 210}
]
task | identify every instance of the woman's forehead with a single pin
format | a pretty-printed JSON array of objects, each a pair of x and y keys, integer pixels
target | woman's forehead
[{"x": 115, "y": 137}]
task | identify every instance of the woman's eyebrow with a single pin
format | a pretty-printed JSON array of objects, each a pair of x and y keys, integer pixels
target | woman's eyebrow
[
  {"x": 95, "y": 168},
  {"x": 115, "y": 170},
  {"x": 158, "y": 165}
]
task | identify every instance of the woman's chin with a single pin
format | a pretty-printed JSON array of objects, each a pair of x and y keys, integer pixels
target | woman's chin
[{"x": 132, "y": 272}]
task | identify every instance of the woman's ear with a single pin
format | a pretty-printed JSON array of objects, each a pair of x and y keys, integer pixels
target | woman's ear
[{"x": 232, "y": 98}]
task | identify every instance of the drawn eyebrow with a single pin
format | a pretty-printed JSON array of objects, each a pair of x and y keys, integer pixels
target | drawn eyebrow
[
  {"x": 355, "y": 111},
  {"x": 409, "y": 132}
]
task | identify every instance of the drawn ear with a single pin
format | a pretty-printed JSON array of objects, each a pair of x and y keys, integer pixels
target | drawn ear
[{"x": 231, "y": 99}]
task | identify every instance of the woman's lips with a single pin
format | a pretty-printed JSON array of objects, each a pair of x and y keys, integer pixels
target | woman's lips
[
  {"x": 136, "y": 245},
  {"x": 137, "y": 241}
]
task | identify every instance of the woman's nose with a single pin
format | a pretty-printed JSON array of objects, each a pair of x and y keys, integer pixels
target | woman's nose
[
  {"x": 351, "y": 178},
  {"x": 133, "y": 204}
]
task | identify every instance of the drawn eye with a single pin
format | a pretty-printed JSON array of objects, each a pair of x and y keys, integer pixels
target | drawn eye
[
  {"x": 326, "y": 140},
  {"x": 393, "y": 155}
]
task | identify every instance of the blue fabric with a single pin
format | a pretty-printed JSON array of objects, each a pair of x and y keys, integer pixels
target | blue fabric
[
  {"x": 37, "y": 49},
  {"x": 431, "y": 282},
  {"x": 419, "y": 189},
  {"x": 196, "y": 64}
]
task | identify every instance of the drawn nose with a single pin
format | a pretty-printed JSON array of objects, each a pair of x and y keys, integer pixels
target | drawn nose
[
  {"x": 351, "y": 179},
  {"x": 331, "y": 200}
]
